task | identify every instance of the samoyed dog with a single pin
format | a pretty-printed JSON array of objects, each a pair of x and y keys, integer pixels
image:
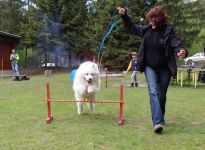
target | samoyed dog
[{"x": 86, "y": 83}]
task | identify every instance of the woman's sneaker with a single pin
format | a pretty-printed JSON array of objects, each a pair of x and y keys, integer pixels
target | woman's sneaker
[{"x": 158, "y": 128}]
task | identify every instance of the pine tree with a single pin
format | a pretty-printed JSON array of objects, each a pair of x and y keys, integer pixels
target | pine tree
[
  {"x": 51, "y": 38},
  {"x": 11, "y": 15},
  {"x": 74, "y": 22},
  {"x": 199, "y": 40},
  {"x": 186, "y": 17},
  {"x": 29, "y": 32}
]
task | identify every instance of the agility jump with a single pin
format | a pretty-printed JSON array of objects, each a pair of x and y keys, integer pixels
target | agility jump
[{"x": 49, "y": 100}]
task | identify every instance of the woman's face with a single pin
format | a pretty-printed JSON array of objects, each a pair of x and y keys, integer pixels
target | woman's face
[{"x": 152, "y": 22}]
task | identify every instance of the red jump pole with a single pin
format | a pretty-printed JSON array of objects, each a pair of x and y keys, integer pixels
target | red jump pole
[
  {"x": 120, "y": 122},
  {"x": 50, "y": 117}
]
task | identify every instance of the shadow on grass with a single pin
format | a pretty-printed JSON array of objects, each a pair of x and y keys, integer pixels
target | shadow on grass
[
  {"x": 174, "y": 128},
  {"x": 88, "y": 118}
]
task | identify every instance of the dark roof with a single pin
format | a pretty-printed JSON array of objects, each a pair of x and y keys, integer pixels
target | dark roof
[{"x": 8, "y": 37}]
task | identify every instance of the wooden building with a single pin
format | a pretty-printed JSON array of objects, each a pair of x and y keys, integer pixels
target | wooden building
[{"x": 7, "y": 43}]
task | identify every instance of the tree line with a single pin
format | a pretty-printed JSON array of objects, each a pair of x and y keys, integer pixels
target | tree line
[{"x": 67, "y": 27}]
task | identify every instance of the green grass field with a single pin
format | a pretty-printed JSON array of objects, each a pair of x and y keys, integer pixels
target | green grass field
[{"x": 23, "y": 118}]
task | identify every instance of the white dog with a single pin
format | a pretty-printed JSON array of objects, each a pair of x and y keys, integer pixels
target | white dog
[{"x": 86, "y": 83}]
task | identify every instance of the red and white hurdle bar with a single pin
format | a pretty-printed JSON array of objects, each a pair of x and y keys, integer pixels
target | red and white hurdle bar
[{"x": 49, "y": 100}]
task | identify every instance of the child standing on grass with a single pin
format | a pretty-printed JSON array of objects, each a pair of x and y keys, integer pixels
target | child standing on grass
[{"x": 134, "y": 65}]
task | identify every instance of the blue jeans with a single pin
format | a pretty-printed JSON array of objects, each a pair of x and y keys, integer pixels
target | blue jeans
[
  {"x": 134, "y": 77},
  {"x": 158, "y": 82},
  {"x": 15, "y": 69}
]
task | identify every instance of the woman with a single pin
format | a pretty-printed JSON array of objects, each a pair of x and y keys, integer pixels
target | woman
[{"x": 159, "y": 47}]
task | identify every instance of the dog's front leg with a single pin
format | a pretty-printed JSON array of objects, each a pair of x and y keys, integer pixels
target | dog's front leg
[
  {"x": 80, "y": 107},
  {"x": 79, "y": 104}
]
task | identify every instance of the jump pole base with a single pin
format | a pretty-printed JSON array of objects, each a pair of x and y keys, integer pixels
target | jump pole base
[
  {"x": 49, "y": 119},
  {"x": 120, "y": 122}
]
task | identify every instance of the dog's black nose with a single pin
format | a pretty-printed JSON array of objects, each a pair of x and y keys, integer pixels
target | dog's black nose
[{"x": 89, "y": 79}]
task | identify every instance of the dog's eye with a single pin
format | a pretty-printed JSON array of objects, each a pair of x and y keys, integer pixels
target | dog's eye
[
  {"x": 92, "y": 74},
  {"x": 87, "y": 74}
]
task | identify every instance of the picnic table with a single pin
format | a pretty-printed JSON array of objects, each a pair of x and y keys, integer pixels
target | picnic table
[{"x": 189, "y": 71}]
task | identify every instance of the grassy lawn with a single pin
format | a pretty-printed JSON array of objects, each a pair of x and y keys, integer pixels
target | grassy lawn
[{"x": 23, "y": 115}]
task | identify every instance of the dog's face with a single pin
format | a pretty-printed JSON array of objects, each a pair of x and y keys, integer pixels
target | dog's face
[
  {"x": 89, "y": 72},
  {"x": 89, "y": 77}
]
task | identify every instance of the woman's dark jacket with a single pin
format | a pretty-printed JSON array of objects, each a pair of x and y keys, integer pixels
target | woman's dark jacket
[{"x": 172, "y": 43}]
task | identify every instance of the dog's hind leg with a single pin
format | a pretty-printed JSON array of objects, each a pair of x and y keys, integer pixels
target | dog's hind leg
[{"x": 91, "y": 104}]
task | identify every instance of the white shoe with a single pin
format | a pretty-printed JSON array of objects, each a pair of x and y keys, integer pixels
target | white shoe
[{"x": 158, "y": 128}]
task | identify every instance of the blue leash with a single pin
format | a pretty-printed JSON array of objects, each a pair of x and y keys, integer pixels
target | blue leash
[
  {"x": 111, "y": 26},
  {"x": 109, "y": 30}
]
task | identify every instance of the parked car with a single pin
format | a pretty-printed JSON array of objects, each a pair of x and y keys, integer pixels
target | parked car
[
  {"x": 195, "y": 57},
  {"x": 48, "y": 65}
]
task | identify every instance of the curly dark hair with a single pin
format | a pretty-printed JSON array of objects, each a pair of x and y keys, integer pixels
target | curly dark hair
[{"x": 158, "y": 15}]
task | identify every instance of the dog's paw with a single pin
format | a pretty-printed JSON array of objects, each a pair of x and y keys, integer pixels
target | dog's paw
[
  {"x": 80, "y": 111},
  {"x": 90, "y": 90}
]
